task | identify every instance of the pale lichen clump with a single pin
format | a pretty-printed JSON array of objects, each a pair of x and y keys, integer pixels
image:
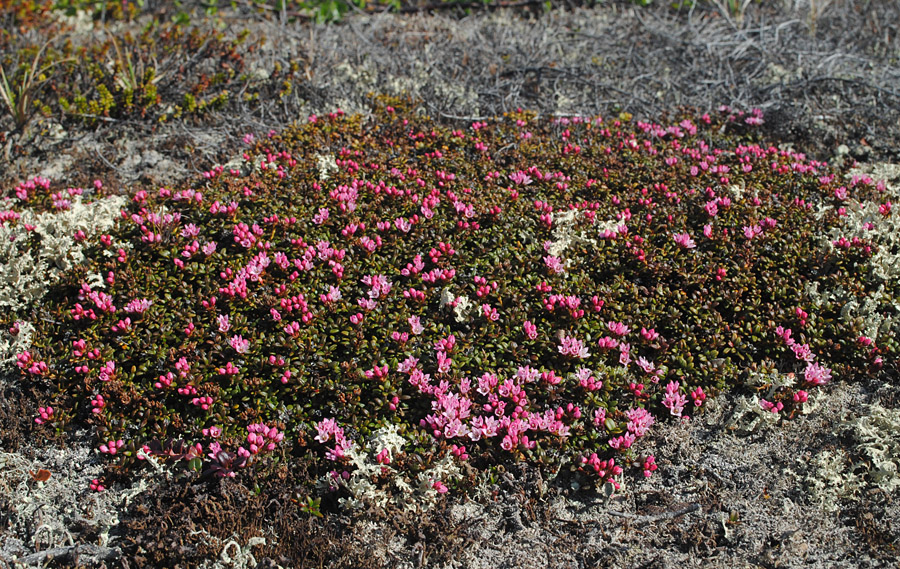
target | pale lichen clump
[
  {"x": 877, "y": 435},
  {"x": 565, "y": 235},
  {"x": 461, "y": 304},
  {"x": 873, "y": 460},
  {"x": 326, "y": 165},
  {"x": 749, "y": 415},
  {"x": 26, "y": 271},
  {"x": 12, "y": 345},
  {"x": 831, "y": 480},
  {"x": 373, "y": 461},
  {"x": 866, "y": 221}
]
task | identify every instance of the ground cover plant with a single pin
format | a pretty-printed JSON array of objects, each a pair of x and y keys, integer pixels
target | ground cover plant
[{"x": 404, "y": 307}]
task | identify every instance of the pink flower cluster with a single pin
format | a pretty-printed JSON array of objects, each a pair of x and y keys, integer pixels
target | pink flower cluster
[
  {"x": 814, "y": 374},
  {"x": 328, "y": 429},
  {"x": 263, "y": 438}
]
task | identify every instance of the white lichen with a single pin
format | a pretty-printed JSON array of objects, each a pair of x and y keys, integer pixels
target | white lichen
[
  {"x": 872, "y": 460},
  {"x": 877, "y": 436},
  {"x": 372, "y": 483},
  {"x": 13, "y": 345},
  {"x": 749, "y": 415},
  {"x": 831, "y": 479},
  {"x": 27, "y": 272},
  {"x": 326, "y": 165},
  {"x": 461, "y": 304}
]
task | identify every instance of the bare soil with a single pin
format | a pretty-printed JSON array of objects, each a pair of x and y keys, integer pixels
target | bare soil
[{"x": 827, "y": 75}]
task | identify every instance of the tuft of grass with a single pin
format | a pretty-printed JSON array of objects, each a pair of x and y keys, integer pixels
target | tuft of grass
[
  {"x": 19, "y": 88},
  {"x": 407, "y": 305}
]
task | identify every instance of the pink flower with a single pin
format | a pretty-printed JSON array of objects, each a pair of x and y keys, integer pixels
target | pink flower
[
  {"x": 326, "y": 429},
  {"x": 752, "y": 231},
  {"x": 607, "y": 343},
  {"x": 520, "y": 178},
  {"x": 214, "y": 432},
  {"x": 622, "y": 442},
  {"x": 618, "y": 328},
  {"x": 554, "y": 264},
  {"x": 490, "y": 313},
  {"x": 239, "y": 344},
  {"x": 649, "y": 335},
  {"x": 444, "y": 362},
  {"x": 817, "y": 374},
  {"x": 649, "y": 465},
  {"x": 415, "y": 325},
  {"x": 322, "y": 216},
  {"x": 698, "y": 396},
  {"x": 673, "y": 400},
  {"x": 112, "y": 447},
  {"x": 684, "y": 239},
  {"x": 224, "y": 324},
  {"x": 45, "y": 415},
  {"x": 639, "y": 421},
  {"x": 570, "y": 346}
]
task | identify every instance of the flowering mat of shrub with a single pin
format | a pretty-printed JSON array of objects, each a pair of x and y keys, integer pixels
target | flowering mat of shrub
[{"x": 381, "y": 339}]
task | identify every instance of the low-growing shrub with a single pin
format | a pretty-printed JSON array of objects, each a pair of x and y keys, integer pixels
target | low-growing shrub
[{"x": 414, "y": 303}]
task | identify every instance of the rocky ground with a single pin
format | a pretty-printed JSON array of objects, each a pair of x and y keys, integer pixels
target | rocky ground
[{"x": 802, "y": 493}]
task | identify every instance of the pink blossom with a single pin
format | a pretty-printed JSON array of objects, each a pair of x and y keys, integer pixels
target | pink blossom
[
  {"x": 618, "y": 328},
  {"x": 326, "y": 429},
  {"x": 570, "y": 346},
  {"x": 554, "y": 264},
  {"x": 649, "y": 465},
  {"x": 817, "y": 374},
  {"x": 649, "y": 335},
  {"x": 684, "y": 240},
  {"x": 530, "y": 330},
  {"x": 607, "y": 343},
  {"x": 239, "y": 344},
  {"x": 520, "y": 178},
  {"x": 752, "y": 231},
  {"x": 112, "y": 447},
  {"x": 490, "y": 313},
  {"x": 639, "y": 421},
  {"x": 45, "y": 414},
  {"x": 673, "y": 400},
  {"x": 415, "y": 325},
  {"x": 622, "y": 442}
]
